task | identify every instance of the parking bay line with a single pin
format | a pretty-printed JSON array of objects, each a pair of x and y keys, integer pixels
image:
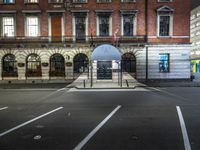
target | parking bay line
[
  {"x": 30, "y": 121},
  {"x": 3, "y": 108},
  {"x": 92, "y": 133},
  {"x": 183, "y": 129}
]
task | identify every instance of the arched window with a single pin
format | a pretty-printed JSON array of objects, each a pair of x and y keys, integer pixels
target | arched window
[
  {"x": 33, "y": 66},
  {"x": 128, "y": 63},
  {"x": 81, "y": 63},
  {"x": 57, "y": 65},
  {"x": 9, "y": 66}
]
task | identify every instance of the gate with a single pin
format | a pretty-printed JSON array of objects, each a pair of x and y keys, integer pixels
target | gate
[{"x": 104, "y": 70}]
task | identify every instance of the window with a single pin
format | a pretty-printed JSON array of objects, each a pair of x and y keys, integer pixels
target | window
[
  {"x": 164, "y": 63},
  {"x": 55, "y": 1},
  {"x": 8, "y": 26},
  {"x": 164, "y": 25},
  {"x": 79, "y": 1},
  {"x": 165, "y": 21},
  {"x": 80, "y": 26},
  {"x": 9, "y": 66},
  {"x": 31, "y": 1},
  {"x": 104, "y": 25},
  {"x": 128, "y": 25},
  {"x": 33, "y": 64},
  {"x": 57, "y": 65},
  {"x": 103, "y": 1},
  {"x": 164, "y": 0},
  {"x": 81, "y": 63},
  {"x": 7, "y": 1},
  {"x": 32, "y": 26},
  {"x": 127, "y": 1}
]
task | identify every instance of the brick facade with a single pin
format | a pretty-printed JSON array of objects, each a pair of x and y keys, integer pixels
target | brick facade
[
  {"x": 146, "y": 34},
  {"x": 181, "y": 16}
]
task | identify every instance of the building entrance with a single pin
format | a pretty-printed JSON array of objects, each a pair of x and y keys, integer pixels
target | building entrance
[
  {"x": 105, "y": 64},
  {"x": 104, "y": 70}
]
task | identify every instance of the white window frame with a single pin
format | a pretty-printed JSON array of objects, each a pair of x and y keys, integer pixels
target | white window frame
[
  {"x": 104, "y": 1},
  {"x": 128, "y": 1},
  {"x": 79, "y": 1},
  {"x": 3, "y": 2},
  {"x": 134, "y": 25},
  {"x": 62, "y": 27},
  {"x": 110, "y": 25},
  {"x": 55, "y": 1},
  {"x": 165, "y": 1},
  {"x": 170, "y": 24},
  {"x": 31, "y": 1},
  {"x": 74, "y": 27},
  {"x": 26, "y": 26},
  {"x": 2, "y": 26}
]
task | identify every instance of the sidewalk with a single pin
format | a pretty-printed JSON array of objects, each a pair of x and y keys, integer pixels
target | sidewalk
[
  {"x": 175, "y": 83},
  {"x": 84, "y": 82},
  {"x": 29, "y": 84},
  {"x": 129, "y": 82}
]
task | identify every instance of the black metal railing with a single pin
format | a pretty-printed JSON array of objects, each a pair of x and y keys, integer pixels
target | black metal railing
[{"x": 71, "y": 39}]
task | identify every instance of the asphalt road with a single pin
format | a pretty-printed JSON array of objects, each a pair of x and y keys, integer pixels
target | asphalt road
[{"x": 66, "y": 119}]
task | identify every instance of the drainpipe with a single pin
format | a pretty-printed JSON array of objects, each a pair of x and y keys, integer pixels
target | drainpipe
[{"x": 146, "y": 37}]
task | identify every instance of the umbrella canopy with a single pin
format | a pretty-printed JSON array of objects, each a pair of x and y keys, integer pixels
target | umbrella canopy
[{"x": 106, "y": 52}]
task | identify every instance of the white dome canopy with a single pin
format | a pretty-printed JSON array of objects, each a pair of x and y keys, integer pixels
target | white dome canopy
[{"x": 106, "y": 52}]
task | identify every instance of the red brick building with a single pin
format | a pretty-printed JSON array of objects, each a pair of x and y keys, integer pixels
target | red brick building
[{"x": 50, "y": 39}]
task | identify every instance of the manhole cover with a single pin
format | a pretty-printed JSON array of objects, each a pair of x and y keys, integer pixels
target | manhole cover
[
  {"x": 37, "y": 137},
  {"x": 135, "y": 138},
  {"x": 40, "y": 126}
]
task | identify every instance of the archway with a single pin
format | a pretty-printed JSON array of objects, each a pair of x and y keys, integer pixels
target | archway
[
  {"x": 57, "y": 66},
  {"x": 81, "y": 64},
  {"x": 33, "y": 66},
  {"x": 9, "y": 66},
  {"x": 129, "y": 63}
]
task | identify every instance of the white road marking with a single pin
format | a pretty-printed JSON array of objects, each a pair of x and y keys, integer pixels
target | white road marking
[
  {"x": 3, "y": 108},
  {"x": 183, "y": 129},
  {"x": 61, "y": 89},
  {"x": 89, "y": 136},
  {"x": 105, "y": 90},
  {"x": 30, "y": 121},
  {"x": 156, "y": 89},
  {"x": 33, "y": 89}
]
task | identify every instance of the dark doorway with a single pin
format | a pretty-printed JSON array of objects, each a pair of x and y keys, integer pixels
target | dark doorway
[
  {"x": 57, "y": 65},
  {"x": 104, "y": 70},
  {"x": 129, "y": 63},
  {"x": 81, "y": 64}
]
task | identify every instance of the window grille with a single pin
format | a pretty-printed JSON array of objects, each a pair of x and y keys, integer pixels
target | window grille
[
  {"x": 8, "y": 26},
  {"x": 164, "y": 26}
]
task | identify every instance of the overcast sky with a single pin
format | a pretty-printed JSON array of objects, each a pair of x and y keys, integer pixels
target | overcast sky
[{"x": 195, "y": 3}]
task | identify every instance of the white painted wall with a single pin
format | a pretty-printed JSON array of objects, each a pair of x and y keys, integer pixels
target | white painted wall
[{"x": 179, "y": 60}]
